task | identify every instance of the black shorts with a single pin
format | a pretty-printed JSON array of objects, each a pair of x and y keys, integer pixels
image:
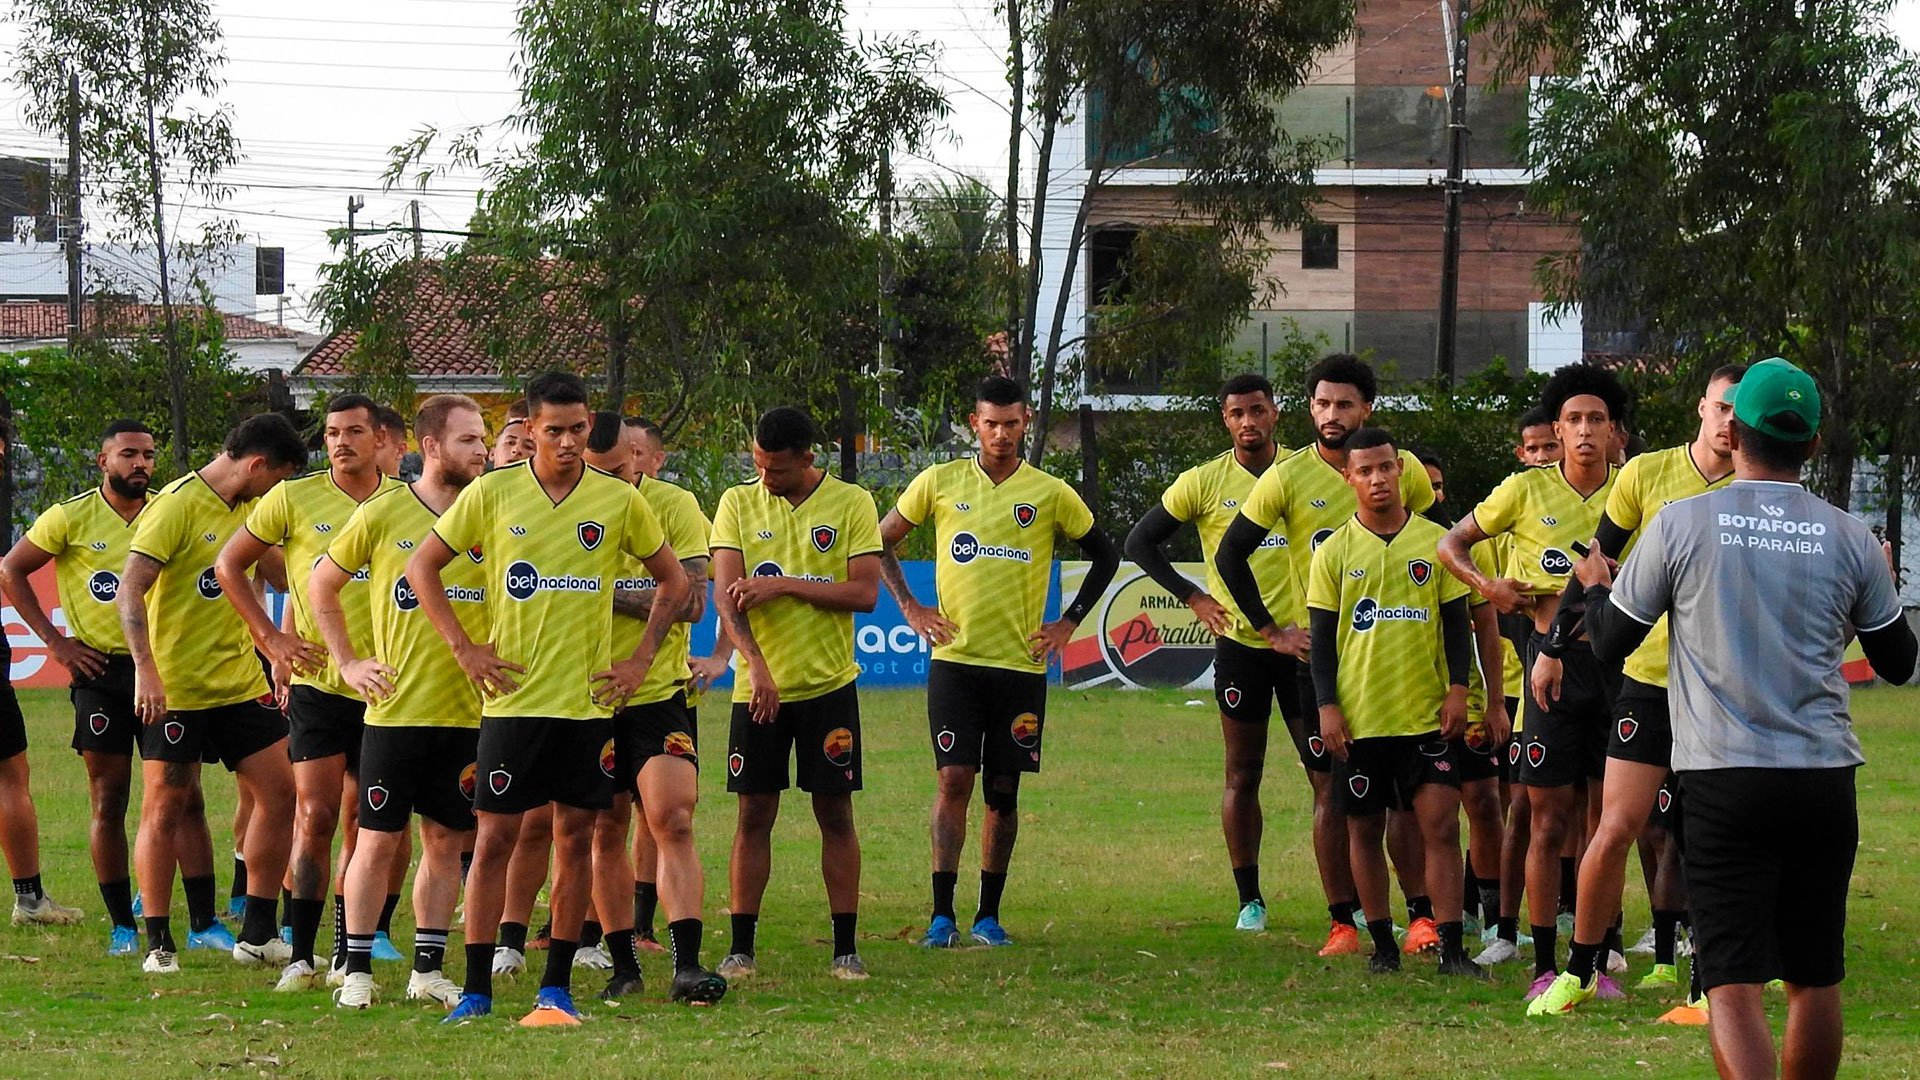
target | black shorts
[
  {"x": 1480, "y": 757},
  {"x": 103, "y": 718},
  {"x": 1247, "y": 682},
  {"x": 1769, "y": 853},
  {"x": 1303, "y": 724},
  {"x": 229, "y": 734},
  {"x": 1666, "y": 804},
  {"x": 524, "y": 762},
  {"x": 1380, "y": 774},
  {"x": 321, "y": 724},
  {"x": 643, "y": 732},
  {"x": 417, "y": 770},
  {"x": 821, "y": 734},
  {"x": 985, "y": 718},
  {"x": 1642, "y": 725},
  {"x": 1567, "y": 744},
  {"x": 13, "y": 725}
]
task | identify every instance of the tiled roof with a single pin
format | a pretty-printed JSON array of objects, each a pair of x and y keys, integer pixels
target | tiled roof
[{"x": 42, "y": 320}]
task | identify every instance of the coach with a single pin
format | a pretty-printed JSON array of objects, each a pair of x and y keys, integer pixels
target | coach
[{"x": 1764, "y": 584}]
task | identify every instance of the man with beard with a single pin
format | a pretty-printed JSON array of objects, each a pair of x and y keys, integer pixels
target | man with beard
[{"x": 1304, "y": 498}]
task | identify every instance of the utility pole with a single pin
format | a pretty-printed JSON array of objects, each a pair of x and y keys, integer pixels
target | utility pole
[
  {"x": 72, "y": 231},
  {"x": 355, "y": 204},
  {"x": 1444, "y": 351},
  {"x": 414, "y": 208}
]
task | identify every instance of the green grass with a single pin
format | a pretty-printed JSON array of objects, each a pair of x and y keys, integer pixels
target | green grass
[{"x": 1126, "y": 964}]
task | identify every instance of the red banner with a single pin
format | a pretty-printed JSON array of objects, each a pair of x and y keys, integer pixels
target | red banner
[{"x": 32, "y": 665}]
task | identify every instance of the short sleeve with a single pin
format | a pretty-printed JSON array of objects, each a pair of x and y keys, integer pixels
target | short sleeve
[
  {"x": 1452, "y": 588},
  {"x": 49, "y": 530},
  {"x": 863, "y": 525},
  {"x": 1265, "y": 505},
  {"x": 269, "y": 521},
  {"x": 1182, "y": 498},
  {"x": 641, "y": 534},
  {"x": 1878, "y": 602},
  {"x": 1416, "y": 487},
  {"x": 1499, "y": 510},
  {"x": 1070, "y": 512},
  {"x": 464, "y": 525},
  {"x": 1644, "y": 590},
  {"x": 1323, "y": 585},
  {"x": 353, "y": 547},
  {"x": 161, "y": 529},
  {"x": 916, "y": 503},
  {"x": 726, "y": 522},
  {"x": 1486, "y": 559},
  {"x": 687, "y": 528},
  {"x": 1624, "y": 505}
]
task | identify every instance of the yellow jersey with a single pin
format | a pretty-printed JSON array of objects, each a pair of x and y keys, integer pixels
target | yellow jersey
[
  {"x": 686, "y": 528},
  {"x": 88, "y": 540},
  {"x": 808, "y": 650},
  {"x": 550, "y": 569},
  {"x": 995, "y": 554},
  {"x": 1646, "y": 484},
  {"x": 1210, "y": 496},
  {"x": 1546, "y": 517}
]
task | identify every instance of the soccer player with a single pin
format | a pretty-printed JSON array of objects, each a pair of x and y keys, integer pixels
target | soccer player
[
  {"x": 1640, "y": 746},
  {"x": 515, "y": 442},
  {"x": 1568, "y": 707},
  {"x": 1248, "y": 676},
  {"x": 393, "y": 440},
  {"x": 1539, "y": 440},
  {"x": 1303, "y": 498},
  {"x": 554, "y": 535},
  {"x": 423, "y": 714},
  {"x": 649, "y": 446},
  {"x": 1765, "y": 583},
  {"x": 324, "y": 715},
  {"x": 1392, "y": 650},
  {"x": 198, "y": 686},
  {"x": 655, "y": 745},
  {"x": 994, "y": 518},
  {"x": 795, "y": 554}
]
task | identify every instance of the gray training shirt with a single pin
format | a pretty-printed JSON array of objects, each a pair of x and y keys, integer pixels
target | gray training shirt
[{"x": 1765, "y": 585}]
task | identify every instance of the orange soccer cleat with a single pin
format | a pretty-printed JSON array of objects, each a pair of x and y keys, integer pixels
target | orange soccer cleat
[{"x": 1342, "y": 940}]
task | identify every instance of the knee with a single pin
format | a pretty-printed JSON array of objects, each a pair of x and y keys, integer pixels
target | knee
[
  {"x": 956, "y": 784},
  {"x": 1244, "y": 775},
  {"x": 1002, "y": 795},
  {"x": 318, "y": 816},
  {"x": 109, "y": 801},
  {"x": 1367, "y": 828},
  {"x": 757, "y": 815},
  {"x": 835, "y": 816},
  {"x": 672, "y": 825}
]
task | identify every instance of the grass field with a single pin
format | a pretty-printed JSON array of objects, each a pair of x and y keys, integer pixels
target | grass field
[{"x": 1120, "y": 901}]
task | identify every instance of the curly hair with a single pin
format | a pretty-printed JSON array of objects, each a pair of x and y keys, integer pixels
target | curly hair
[{"x": 1576, "y": 380}]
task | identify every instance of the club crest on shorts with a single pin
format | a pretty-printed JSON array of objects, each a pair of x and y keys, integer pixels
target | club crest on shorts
[
  {"x": 590, "y": 534},
  {"x": 824, "y": 536},
  {"x": 466, "y": 781},
  {"x": 173, "y": 731},
  {"x": 1665, "y": 799},
  {"x": 1026, "y": 729},
  {"x": 97, "y": 723},
  {"x": 1024, "y": 513},
  {"x": 944, "y": 741},
  {"x": 678, "y": 744},
  {"x": 1627, "y": 728},
  {"x": 1420, "y": 570},
  {"x": 1359, "y": 785},
  {"x": 838, "y": 746},
  {"x": 1513, "y": 752},
  {"x": 1437, "y": 748},
  {"x": 608, "y": 759},
  {"x": 376, "y": 797},
  {"x": 1231, "y": 695},
  {"x": 1316, "y": 746},
  {"x": 735, "y": 763},
  {"x": 1536, "y": 753},
  {"x": 499, "y": 780}
]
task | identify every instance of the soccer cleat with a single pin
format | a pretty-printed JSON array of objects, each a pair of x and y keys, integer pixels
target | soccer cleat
[
  {"x": 161, "y": 962},
  {"x": 139, "y": 907},
  {"x": 1540, "y": 984},
  {"x": 1463, "y": 966},
  {"x": 1562, "y": 996},
  {"x": 1660, "y": 978},
  {"x": 941, "y": 934},
  {"x": 648, "y": 943},
  {"x": 738, "y": 966},
  {"x": 1616, "y": 964},
  {"x": 271, "y": 953},
  {"x": 356, "y": 992},
  {"x": 336, "y": 972},
  {"x": 1606, "y": 989},
  {"x": 988, "y": 931},
  {"x": 433, "y": 986},
  {"x": 1643, "y": 947},
  {"x": 236, "y": 908},
  {"x": 592, "y": 958},
  {"x": 1692, "y": 1014},
  {"x": 620, "y": 986},
  {"x": 1342, "y": 940},
  {"x": 1492, "y": 934},
  {"x": 1470, "y": 925},
  {"x": 1563, "y": 922},
  {"x": 299, "y": 975},
  {"x": 698, "y": 986},
  {"x": 124, "y": 942},
  {"x": 1253, "y": 917},
  {"x": 508, "y": 961},
  {"x": 217, "y": 938},
  {"x": 383, "y": 948},
  {"x": 471, "y": 1007},
  {"x": 1498, "y": 951},
  {"x": 542, "y": 938},
  {"x": 1383, "y": 963},
  {"x": 1682, "y": 945},
  {"x": 851, "y": 967},
  {"x": 552, "y": 1007},
  {"x": 286, "y": 934},
  {"x": 44, "y": 911},
  {"x": 1422, "y": 935}
]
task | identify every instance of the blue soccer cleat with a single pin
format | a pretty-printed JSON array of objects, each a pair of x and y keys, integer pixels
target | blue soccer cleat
[
  {"x": 139, "y": 908},
  {"x": 988, "y": 931},
  {"x": 383, "y": 948},
  {"x": 552, "y": 1007},
  {"x": 286, "y": 935},
  {"x": 125, "y": 942},
  {"x": 236, "y": 908},
  {"x": 215, "y": 937},
  {"x": 471, "y": 1007},
  {"x": 941, "y": 933}
]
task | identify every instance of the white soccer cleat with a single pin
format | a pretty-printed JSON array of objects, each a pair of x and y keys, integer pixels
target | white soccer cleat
[
  {"x": 736, "y": 967},
  {"x": 356, "y": 992},
  {"x": 433, "y": 986},
  {"x": 336, "y": 973},
  {"x": 593, "y": 958},
  {"x": 1616, "y": 964},
  {"x": 508, "y": 962},
  {"x": 44, "y": 911},
  {"x": 1643, "y": 947},
  {"x": 272, "y": 953},
  {"x": 1500, "y": 951},
  {"x": 297, "y": 976},
  {"x": 161, "y": 962}
]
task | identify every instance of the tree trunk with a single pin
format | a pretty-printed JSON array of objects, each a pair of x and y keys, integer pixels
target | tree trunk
[
  {"x": 1895, "y": 475},
  {"x": 1053, "y": 103},
  {"x": 1016, "y": 130},
  {"x": 1050, "y": 367},
  {"x": 182, "y": 438}
]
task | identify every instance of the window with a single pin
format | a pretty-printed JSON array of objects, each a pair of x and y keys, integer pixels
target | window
[
  {"x": 1109, "y": 253},
  {"x": 1320, "y": 247}
]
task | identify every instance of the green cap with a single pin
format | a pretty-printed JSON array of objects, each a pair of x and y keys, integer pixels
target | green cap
[{"x": 1778, "y": 399}]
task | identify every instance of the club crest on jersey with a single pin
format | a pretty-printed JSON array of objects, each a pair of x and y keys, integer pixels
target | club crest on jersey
[
  {"x": 1420, "y": 570},
  {"x": 97, "y": 723},
  {"x": 499, "y": 780},
  {"x": 376, "y": 797},
  {"x": 1556, "y": 562},
  {"x": 173, "y": 731},
  {"x": 1026, "y": 729},
  {"x": 824, "y": 536},
  {"x": 1665, "y": 799},
  {"x": 1628, "y": 728},
  {"x": 608, "y": 759},
  {"x": 944, "y": 741},
  {"x": 1316, "y": 746},
  {"x": 838, "y": 746},
  {"x": 590, "y": 534},
  {"x": 1536, "y": 753},
  {"x": 1513, "y": 753},
  {"x": 466, "y": 781},
  {"x": 208, "y": 584},
  {"x": 1024, "y": 513},
  {"x": 476, "y": 554},
  {"x": 1359, "y": 785},
  {"x": 1231, "y": 695},
  {"x": 735, "y": 763},
  {"x": 103, "y": 586}
]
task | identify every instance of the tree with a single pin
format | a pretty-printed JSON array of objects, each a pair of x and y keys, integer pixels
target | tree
[
  {"x": 1745, "y": 177},
  {"x": 948, "y": 296},
  {"x": 135, "y": 62}
]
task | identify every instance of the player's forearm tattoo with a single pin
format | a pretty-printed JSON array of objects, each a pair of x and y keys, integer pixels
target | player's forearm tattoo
[
  {"x": 634, "y": 603},
  {"x": 894, "y": 577},
  {"x": 139, "y": 577}
]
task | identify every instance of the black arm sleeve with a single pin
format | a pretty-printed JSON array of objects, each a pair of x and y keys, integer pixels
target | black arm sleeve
[
  {"x": 1100, "y": 549},
  {"x": 1325, "y": 660},
  {"x": 1567, "y": 621},
  {"x": 1614, "y": 633},
  {"x": 1892, "y": 651},
  {"x": 1143, "y": 547},
  {"x": 1456, "y": 635},
  {"x": 1242, "y": 539}
]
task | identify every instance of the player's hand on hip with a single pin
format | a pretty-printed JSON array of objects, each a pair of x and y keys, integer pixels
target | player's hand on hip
[
  {"x": 303, "y": 656},
  {"x": 616, "y": 684},
  {"x": 493, "y": 675},
  {"x": 1050, "y": 640},
  {"x": 1333, "y": 731},
  {"x": 1293, "y": 641},
  {"x": 83, "y": 660},
  {"x": 369, "y": 678},
  {"x": 929, "y": 623},
  {"x": 764, "y": 704},
  {"x": 1211, "y": 613},
  {"x": 1545, "y": 679},
  {"x": 149, "y": 696},
  {"x": 751, "y": 592},
  {"x": 1453, "y": 713}
]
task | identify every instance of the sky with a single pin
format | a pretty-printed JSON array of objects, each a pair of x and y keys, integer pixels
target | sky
[{"x": 320, "y": 93}]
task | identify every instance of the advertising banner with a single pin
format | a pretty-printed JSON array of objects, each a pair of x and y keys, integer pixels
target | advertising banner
[{"x": 1138, "y": 635}]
